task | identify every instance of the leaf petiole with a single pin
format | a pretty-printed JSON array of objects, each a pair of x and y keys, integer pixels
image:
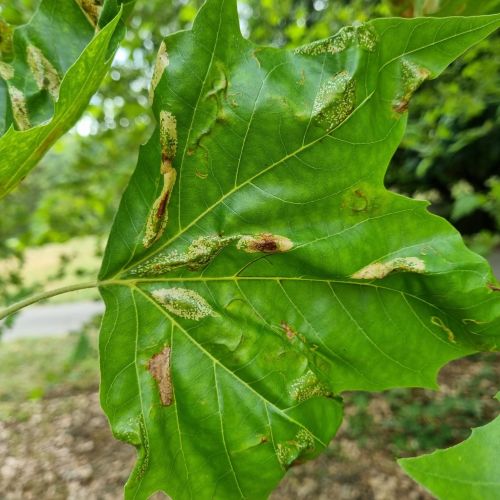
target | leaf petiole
[{"x": 7, "y": 311}]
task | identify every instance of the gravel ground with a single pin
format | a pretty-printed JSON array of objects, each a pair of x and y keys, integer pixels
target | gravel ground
[
  {"x": 65, "y": 450},
  {"x": 60, "y": 447}
]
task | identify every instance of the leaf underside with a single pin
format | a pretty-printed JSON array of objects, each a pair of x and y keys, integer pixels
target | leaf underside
[
  {"x": 258, "y": 267},
  {"x": 49, "y": 70},
  {"x": 469, "y": 470}
]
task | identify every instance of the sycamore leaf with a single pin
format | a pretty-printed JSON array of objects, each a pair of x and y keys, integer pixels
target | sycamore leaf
[
  {"x": 258, "y": 267},
  {"x": 469, "y": 470},
  {"x": 56, "y": 63}
]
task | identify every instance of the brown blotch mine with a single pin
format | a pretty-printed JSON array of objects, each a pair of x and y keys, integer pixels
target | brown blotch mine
[
  {"x": 493, "y": 287},
  {"x": 265, "y": 242},
  {"x": 92, "y": 9},
  {"x": 162, "y": 206},
  {"x": 159, "y": 367}
]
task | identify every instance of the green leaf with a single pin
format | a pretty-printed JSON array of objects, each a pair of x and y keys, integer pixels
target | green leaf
[
  {"x": 469, "y": 470},
  {"x": 57, "y": 62},
  {"x": 258, "y": 267}
]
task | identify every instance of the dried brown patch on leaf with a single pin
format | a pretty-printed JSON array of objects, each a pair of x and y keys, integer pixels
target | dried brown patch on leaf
[
  {"x": 493, "y": 287},
  {"x": 379, "y": 270},
  {"x": 46, "y": 76},
  {"x": 160, "y": 368},
  {"x": 265, "y": 242}
]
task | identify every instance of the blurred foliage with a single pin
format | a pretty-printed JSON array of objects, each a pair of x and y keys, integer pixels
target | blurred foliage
[
  {"x": 450, "y": 154},
  {"x": 53, "y": 366},
  {"x": 412, "y": 421}
]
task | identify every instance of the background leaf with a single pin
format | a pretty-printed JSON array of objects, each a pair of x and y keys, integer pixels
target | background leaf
[
  {"x": 468, "y": 470},
  {"x": 258, "y": 267},
  {"x": 51, "y": 67}
]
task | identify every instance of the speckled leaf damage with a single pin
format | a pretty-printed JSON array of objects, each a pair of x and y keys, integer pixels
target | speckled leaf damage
[{"x": 258, "y": 267}]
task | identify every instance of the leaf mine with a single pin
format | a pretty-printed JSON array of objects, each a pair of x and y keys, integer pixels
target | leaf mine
[
  {"x": 198, "y": 254},
  {"x": 168, "y": 138},
  {"x": 161, "y": 64},
  {"x": 308, "y": 386},
  {"x": 361, "y": 35},
  {"x": 435, "y": 320},
  {"x": 19, "y": 108},
  {"x": 335, "y": 100},
  {"x": 92, "y": 9},
  {"x": 45, "y": 74},
  {"x": 183, "y": 302},
  {"x": 6, "y": 71},
  {"x": 265, "y": 242},
  {"x": 158, "y": 215},
  {"x": 159, "y": 367},
  {"x": 379, "y": 270},
  {"x": 412, "y": 77},
  {"x": 289, "y": 451}
]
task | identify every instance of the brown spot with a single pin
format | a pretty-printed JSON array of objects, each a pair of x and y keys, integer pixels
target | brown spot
[
  {"x": 289, "y": 331},
  {"x": 158, "y": 215},
  {"x": 493, "y": 287},
  {"x": 401, "y": 106},
  {"x": 265, "y": 242},
  {"x": 162, "y": 206},
  {"x": 264, "y": 439},
  {"x": 412, "y": 76},
  {"x": 159, "y": 367}
]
